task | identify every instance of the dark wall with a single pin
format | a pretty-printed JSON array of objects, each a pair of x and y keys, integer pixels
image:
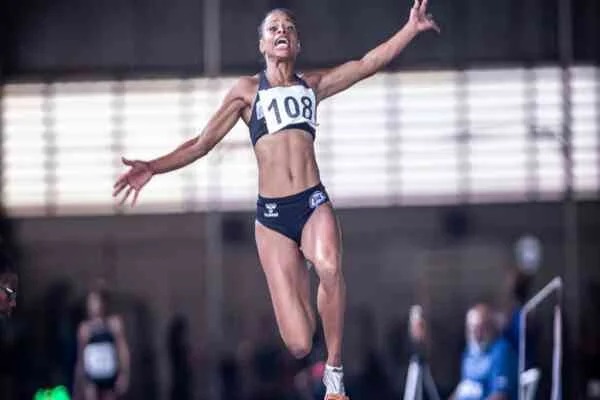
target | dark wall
[
  {"x": 4, "y": 44},
  {"x": 114, "y": 36},
  {"x": 586, "y": 30},
  {"x": 147, "y": 37}
]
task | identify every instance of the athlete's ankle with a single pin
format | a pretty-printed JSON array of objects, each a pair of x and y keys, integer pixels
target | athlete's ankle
[
  {"x": 333, "y": 379},
  {"x": 336, "y": 367}
]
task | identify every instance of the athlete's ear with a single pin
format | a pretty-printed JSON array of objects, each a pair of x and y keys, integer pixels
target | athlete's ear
[
  {"x": 299, "y": 47},
  {"x": 261, "y": 46}
]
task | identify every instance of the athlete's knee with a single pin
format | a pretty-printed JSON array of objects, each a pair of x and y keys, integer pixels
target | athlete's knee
[
  {"x": 299, "y": 347},
  {"x": 329, "y": 269}
]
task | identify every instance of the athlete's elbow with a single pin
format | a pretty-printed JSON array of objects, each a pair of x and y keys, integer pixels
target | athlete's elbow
[{"x": 199, "y": 152}]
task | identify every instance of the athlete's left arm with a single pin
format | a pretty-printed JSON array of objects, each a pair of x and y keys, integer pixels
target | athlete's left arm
[
  {"x": 332, "y": 81},
  {"x": 123, "y": 354}
]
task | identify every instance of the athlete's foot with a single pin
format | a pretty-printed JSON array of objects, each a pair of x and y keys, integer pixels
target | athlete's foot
[{"x": 333, "y": 379}]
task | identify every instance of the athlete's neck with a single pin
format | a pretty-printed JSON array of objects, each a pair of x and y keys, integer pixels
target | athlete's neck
[{"x": 280, "y": 73}]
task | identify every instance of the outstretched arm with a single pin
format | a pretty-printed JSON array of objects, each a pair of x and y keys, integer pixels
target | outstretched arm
[
  {"x": 218, "y": 126},
  {"x": 335, "y": 80}
]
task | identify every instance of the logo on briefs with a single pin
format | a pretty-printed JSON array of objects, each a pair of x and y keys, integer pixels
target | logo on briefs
[
  {"x": 271, "y": 210},
  {"x": 316, "y": 199}
]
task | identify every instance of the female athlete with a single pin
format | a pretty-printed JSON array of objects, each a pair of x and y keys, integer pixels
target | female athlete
[
  {"x": 102, "y": 370},
  {"x": 294, "y": 217}
]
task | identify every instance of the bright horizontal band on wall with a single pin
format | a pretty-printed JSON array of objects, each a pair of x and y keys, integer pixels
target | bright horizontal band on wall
[{"x": 397, "y": 138}]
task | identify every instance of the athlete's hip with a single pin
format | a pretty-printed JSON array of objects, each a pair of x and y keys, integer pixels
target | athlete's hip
[{"x": 288, "y": 215}]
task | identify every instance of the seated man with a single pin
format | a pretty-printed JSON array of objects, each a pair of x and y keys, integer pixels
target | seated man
[{"x": 489, "y": 365}]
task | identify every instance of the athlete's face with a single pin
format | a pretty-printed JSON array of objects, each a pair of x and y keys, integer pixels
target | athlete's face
[
  {"x": 8, "y": 294},
  {"x": 279, "y": 37}
]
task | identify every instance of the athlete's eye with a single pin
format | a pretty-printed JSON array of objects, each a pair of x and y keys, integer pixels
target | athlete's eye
[
  {"x": 272, "y": 28},
  {"x": 291, "y": 28}
]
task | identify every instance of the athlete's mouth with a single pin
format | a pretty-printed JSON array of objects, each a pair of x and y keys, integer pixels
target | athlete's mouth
[{"x": 282, "y": 42}]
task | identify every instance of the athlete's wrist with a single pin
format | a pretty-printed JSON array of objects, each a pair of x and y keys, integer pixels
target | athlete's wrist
[
  {"x": 152, "y": 167},
  {"x": 411, "y": 28}
]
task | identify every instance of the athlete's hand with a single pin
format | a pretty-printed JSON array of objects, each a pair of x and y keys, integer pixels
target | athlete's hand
[
  {"x": 133, "y": 180},
  {"x": 419, "y": 19}
]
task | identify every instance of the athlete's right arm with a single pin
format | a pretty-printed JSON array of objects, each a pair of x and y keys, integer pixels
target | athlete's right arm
[{"x": 217, "y": 127}]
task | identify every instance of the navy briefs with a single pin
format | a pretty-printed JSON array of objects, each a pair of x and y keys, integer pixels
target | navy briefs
[{"x": 288, "y": 215}]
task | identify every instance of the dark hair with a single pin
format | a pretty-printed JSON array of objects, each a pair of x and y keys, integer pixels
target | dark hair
[{"x": 289, "y": 13}]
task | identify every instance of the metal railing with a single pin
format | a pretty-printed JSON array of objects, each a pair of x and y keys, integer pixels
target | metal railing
[{"x": 554, "y": 287}]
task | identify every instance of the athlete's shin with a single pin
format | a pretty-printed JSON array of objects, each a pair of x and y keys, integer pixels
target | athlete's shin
[{"x": 331, "y": 301}]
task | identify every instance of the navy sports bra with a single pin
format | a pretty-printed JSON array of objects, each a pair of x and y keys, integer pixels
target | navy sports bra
[{"x": 282, "y": 107}]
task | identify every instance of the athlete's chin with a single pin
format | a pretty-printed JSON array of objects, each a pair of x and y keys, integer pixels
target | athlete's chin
[{"x": 284, "y": 55}]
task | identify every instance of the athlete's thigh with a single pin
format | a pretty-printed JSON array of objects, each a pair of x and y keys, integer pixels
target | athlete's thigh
[
  {"x": 282, "y": 264},
  {"x": 321, "y": 238}
]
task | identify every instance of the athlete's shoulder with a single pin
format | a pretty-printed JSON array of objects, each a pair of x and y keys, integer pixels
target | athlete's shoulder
[
  {"x": 247, "y": 83},
  {"x": 243, "y": 89},
  {"x": 312, "y": 78}
]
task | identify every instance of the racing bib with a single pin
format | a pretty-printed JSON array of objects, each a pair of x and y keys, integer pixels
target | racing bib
[{"x": 284, "y": 106}]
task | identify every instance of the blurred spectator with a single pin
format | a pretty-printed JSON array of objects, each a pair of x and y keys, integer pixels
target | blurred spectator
[
  {"x": 489, "y": 365},
  {"x": 399, "y": 349},
  {"x": 102, "y": 370},
  {"x": 417, "y": 330},
  {"x": 59, "y": 340},
  {"x": 179, "y": 354},
  {"x": 518, "y": 285},
  {"x": 8, "y": 288},
  {"x": 265, "y": 362},
  {"x": 366, "y": 373},
  {"x": 10, "y": 252},
  {"x": 231, "y": 385},
  {"x": 8, "y": 356}
]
